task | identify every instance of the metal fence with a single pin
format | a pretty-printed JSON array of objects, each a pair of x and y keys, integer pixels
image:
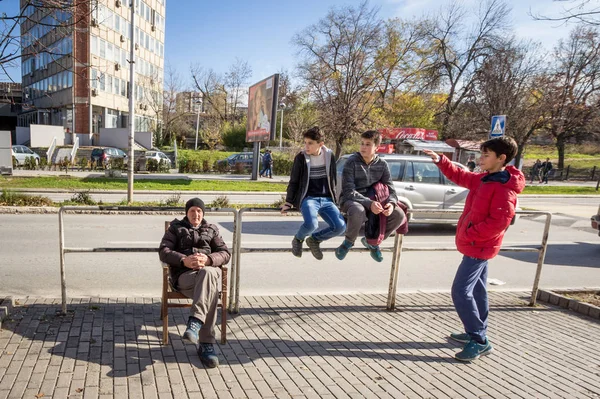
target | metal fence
[
  {"x": 397, "y": 250},
  {"x": 237, "y": 249}
]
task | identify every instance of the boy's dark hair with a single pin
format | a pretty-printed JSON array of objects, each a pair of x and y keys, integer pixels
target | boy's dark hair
[
  {"x": 314, "y": 133},
  {"x": 372, "y": 135},
  {"x": 502, "y": 146}
]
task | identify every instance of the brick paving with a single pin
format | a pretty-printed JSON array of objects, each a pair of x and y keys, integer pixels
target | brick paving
[{"x": 326, "y": 346}]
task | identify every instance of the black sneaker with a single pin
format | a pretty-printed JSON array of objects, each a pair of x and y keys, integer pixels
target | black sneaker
[
  {"x": 207, "y": 355},
  {"x": 313, "y": 245},
  {"x": 191, "y": 333},
  {"x": 297, "y": 247}
]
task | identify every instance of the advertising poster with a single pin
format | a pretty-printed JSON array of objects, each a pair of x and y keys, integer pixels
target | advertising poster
[{"x": 262, "y": 109}]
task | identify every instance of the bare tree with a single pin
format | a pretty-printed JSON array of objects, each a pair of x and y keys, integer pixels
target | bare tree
[
  {"x": 57, "y": 16},
  {"x": 212, "y": 87},
  {"x": 510, "y": 82},
  {"x": 586, "y": 12},
  {"x": 339, "y": 55},
  {"x": 573, "y": 95},
  {"x": 236, "y": 83},
  {"x": 459, "y": 51}
]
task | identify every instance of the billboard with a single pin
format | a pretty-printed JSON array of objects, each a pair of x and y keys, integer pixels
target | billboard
[
  {"x": 262, "y": 110},
  {"x": 408, "y": 133}
]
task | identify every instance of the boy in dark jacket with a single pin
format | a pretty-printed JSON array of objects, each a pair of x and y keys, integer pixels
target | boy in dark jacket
[
  {"x": 195, "y": 252},
  {"x": 312, "y": 190},
  {"x": 489, "y": 209},
  {"x": 361, "y": 171}
]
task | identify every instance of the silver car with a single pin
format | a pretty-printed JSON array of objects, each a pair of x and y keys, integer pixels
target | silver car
[
  {"x": 158, "y": 156},
  {"x": 21, "y": 153},
  {"x": 421, "y": 186}
]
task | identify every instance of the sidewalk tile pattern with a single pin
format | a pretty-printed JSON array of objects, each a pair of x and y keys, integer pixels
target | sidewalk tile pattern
[{"x": 327, "y": 346}]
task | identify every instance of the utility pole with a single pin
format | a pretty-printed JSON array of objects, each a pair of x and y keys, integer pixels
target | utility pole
[{"x": 130, "y": 164}]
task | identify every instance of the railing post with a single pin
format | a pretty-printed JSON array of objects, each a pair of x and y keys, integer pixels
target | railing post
[
  {"x": 593, "y": 172},
  {"x": 233, "y": 271},
  {"x": 61, "y": 244},
  {"x": 567, "y": 175},
  {"x": 395, "y": 270},
  {"x": 238, "y": 233},
  {"x": 541, "y": 257}
]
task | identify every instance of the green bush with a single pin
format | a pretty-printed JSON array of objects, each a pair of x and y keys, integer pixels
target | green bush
[
  {"x": 83, "y": 163},
  {"x": 172, "y": 201},
  {"x": 43, "y": 163},
  {"x": 30, "y": 163},
  {"x": 220, "y": 202},
  {"x": 234, "y": 137},
  {"x": 282, "y": 164},
  {"x": 15, "y": 163},
  {"x": 83, "y": 197},
  {"x": 116, "y": 163},
  {"x": 190, "y": 161},
  {"x": 11, "y": 198}
]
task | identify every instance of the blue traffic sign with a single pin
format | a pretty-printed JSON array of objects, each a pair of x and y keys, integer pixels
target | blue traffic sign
[{"x": 498, "y": 126}]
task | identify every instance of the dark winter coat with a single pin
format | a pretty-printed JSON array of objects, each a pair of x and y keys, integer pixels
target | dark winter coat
[
  {"x": 358, "y": 177},
  {"x": 182, "y": 239},
  {"x": 300, "y": 175}
]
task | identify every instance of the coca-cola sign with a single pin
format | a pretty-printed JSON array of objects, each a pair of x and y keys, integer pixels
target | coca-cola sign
[{"x": 408, "y": 133}]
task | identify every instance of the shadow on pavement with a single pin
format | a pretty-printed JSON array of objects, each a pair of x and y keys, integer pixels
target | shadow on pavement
[
  {"x": 125, "y": 338},
  {"x": 562, "y": 255}
]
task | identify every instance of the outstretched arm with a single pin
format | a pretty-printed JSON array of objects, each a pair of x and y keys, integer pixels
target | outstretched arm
[{"x": 458, "y": 175}]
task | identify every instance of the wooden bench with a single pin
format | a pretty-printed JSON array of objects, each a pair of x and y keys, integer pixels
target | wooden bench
[{"x": 169, "y": 293}]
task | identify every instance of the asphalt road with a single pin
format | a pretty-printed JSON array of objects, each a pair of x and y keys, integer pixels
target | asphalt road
[{"x": 29, "y": 257}]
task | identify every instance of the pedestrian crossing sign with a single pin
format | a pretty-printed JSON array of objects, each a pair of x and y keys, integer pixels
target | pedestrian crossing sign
[{"x": 498, "y": 126}]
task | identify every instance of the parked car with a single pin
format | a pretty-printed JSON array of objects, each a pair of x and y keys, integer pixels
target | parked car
[
  {"x": 420, "y": 185},
  {"x": 158, "y": 156},
  {"x": 243, "y": 158},
  {"x": 103, "y": 155},
  {"x": 596, "y": 221},
  {"x": 21, "y": 153}
]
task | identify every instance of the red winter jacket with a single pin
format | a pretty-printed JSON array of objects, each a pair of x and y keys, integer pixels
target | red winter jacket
[{"x": 489, "y": 209}]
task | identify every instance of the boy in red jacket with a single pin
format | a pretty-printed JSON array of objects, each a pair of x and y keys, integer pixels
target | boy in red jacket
[{"x": 489, "y": 209}]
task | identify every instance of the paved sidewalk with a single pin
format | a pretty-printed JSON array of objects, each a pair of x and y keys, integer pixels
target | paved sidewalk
[{"x": 301, "y": 347}]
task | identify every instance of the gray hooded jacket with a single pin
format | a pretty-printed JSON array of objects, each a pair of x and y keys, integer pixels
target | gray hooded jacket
[{"x": 358, "y": 177}]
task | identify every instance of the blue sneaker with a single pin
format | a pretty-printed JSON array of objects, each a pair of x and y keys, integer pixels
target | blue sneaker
[
  {"x": 375, "y": 250},
  {"x": 462, "y": 338},
  {"x": 207, "y": 355},
  {"x": 191, "y": 333},
  {"x": 342, "y": 250},
  {"x": 473, "y": 350}
]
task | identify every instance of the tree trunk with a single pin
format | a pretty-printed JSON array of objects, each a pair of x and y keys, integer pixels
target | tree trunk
[
  {"x": 338, "y": 147},
  {"x": 560, "y": 146},
  {"x": 520, "y": 151}
]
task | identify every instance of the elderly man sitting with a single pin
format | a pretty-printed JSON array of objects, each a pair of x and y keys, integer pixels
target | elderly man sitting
[{"x": 195, "y": 251}]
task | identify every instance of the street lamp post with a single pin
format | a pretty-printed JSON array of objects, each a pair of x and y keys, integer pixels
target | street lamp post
[
  {"x": 281, "y": 107},
  {"x": 197, "y": 124}
]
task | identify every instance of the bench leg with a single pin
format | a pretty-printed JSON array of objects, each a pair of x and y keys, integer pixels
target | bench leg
[{"x": 164, "y": 312}]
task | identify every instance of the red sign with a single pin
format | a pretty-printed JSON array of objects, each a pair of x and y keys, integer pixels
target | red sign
[
  {"x": 408, "y": 133},
  {"x": 385, "y": 149}
]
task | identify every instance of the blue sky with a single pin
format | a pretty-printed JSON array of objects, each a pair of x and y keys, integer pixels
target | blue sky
[{"x": 213, "y": 33}]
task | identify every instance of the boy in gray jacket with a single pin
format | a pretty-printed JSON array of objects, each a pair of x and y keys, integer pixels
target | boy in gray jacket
[
  {"x": 362, "y": 170},
  {"x": 312, "y": 190}
]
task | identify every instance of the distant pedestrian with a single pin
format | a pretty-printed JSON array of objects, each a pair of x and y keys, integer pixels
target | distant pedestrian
[
  {"x": 546, "y": 169},
  {"x": 535, "y": 170},
  {"x": 267, "y": 164},
  {"x": 471, "y": 163},
  {"x": 489, "y": 209}
]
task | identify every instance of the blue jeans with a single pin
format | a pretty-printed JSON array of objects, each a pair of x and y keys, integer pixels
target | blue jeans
[
  {"x": 469, "y": 294},
  {"x": 267, "y": 171},
  {"x": 326, "y": 208}
]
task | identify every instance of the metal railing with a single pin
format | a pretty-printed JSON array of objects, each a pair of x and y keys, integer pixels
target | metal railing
[
  {"x": 237, "y": 249},
  {"x": 397, "y": 250},
  {"x": 155, "y": 209},
  {"x": 75, "y": 148},
  {"x": 50, "y": 151}
]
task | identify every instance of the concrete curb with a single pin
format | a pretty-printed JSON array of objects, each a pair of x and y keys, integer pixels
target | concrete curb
[
  {"x": 6, "y": 307},
  {"x": 152, "y": 192},
  {"x": 555, "y": 298}
]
